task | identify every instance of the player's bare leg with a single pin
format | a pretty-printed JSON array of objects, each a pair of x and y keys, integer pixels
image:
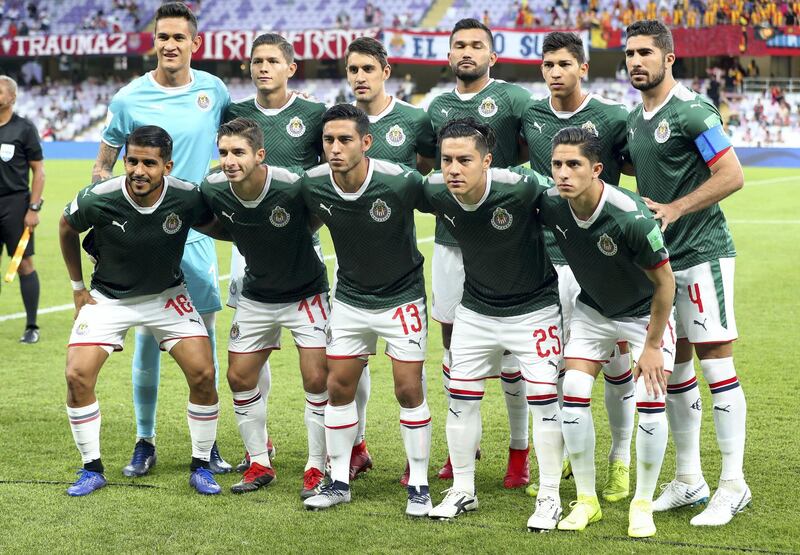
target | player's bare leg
[{"x": 314, "y": 371}]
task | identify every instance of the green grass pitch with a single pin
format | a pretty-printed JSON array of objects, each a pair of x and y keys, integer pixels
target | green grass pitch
[{"x": 38, "y": 457}]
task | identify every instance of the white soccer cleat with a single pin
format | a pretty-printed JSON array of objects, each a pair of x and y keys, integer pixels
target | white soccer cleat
[
  {"x": 419, "y": 501},
  {"x": 455, "y": 503},
  {"x": 680, "y": 494},
  {"x": 547, "y": 514},
  {"x": 329, "y": 495},
  {"x": 724, "y": 505}
]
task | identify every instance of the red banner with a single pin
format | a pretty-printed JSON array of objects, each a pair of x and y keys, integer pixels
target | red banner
[{"x": 115, "y": 44}]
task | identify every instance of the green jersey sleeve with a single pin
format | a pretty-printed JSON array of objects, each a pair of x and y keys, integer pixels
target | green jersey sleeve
[
  {"x": 78, "y": 212},
  {"x": 426, "y": 138},
  {"x": 646, "y": 242},
  {"x": 699, "y": 117}
]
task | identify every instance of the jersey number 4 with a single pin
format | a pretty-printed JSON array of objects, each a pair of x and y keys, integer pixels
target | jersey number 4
[{"x": 181, "y": 304}]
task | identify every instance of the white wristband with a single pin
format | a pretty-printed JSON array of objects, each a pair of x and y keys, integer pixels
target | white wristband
[{"x": 77, "y": 285}]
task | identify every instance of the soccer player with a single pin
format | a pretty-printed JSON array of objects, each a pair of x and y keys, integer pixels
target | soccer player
[
  {"x": 684, "y": 166},
  {"x": 499, "y": 105},
  {"x": 617, "y": 254},
  {"x": 141, "y": 221},
  {"x": 368, "y": 206},
  {"x": 563, "y": 66},
  {"x": 285, "y": 285},
  {"x": 189, "y": 104},
  {"x": 20, "y": 196},
  {"x": 510, "y": 303}
]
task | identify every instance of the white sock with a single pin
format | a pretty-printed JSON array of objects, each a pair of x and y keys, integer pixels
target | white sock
[
  {"x": 362, "y": 398},
  {"x": 202, "y": 428},
  {"x": 341, "y": 426},
  {"x": 651, "y": 440},
  {"x": 85, "y": 425},
  {"x": 464, "y": 432},
  {"x": 248, "y": 406},
  {"x": 446, "y": 361},
  {"x": 685, "y": 414},
  {"x": 620, "y": 393},
  {"x": 548, "y": 442},
  {"x": 730, "y": 414},
  {"x": 514, "y": 393},
  {"x": 264, "y": 386},
  {"x": 578, "y": 428},
  {"x": 424, "y": 382},
  {"x": 415, "y": 427},
  {"x": 314, "y": 418}
]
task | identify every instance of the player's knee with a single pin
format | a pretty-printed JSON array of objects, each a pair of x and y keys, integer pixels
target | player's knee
[
  {"x": 79, "y": 385},
  {"x": 241, "y": 381},
  {"x": 316, "y": 382},
  {"x": 201, "y": 379},
  {"x": 408, "y": 393},
  {"x": 26, "y": 266}
]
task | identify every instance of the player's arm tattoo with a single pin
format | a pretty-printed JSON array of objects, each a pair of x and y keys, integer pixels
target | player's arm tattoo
[{"x": 104, "y": 164}]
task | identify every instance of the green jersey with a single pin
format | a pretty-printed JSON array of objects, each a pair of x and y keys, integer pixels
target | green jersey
[
  {"x": 670, "y": 151},
  {"x": 373, "y": 233},
  {"x": 608, "y": 252},
  {"x": 604, "y": 118},
  {"x": 500, "y": 105},
  {"x": 138, "y": 249},
  {"x": 401, "y": 132},
  {"x": 272, "y": 233},
  {"x": 507, "y": 272}
]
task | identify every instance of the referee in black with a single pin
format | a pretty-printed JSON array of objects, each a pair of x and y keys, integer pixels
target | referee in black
[{"x": 20, "y": 156}]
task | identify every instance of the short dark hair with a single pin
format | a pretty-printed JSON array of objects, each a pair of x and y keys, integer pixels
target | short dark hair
[
  {"x": 246, "y": 128},
  {"x": 662, "y": 37},
  {"x": 274, "y": 39},
  {"x": 179, "y": 10},
  {"x": 472, "y": 23},
  {"x": 368, "y": 46},
  {"x": 589, "y": 143},
  {"x": 560, "y": 39},
  {"x": 348, "y": 112},
  {"x": 482, "y": 134},
  {"x": 151, "y": 136}
]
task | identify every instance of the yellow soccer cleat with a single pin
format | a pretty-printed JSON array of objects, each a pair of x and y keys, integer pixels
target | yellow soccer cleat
[
  {"x": 640, "y": 519},
  {"x": 532, "y": 489},
  {"x": 618, "y": 482},
  {"x": 585, "y": 511},
  {"x": 566, "y": 469}
]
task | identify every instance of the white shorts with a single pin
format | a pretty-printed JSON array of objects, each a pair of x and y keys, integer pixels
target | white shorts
[
  {"x": 479, "y": 341},
  {"x": 704, "y": 302},
  {"x": 593, "y": 336},
  {"x": 447, "y": 283},
  {"x": 568, "y": 291},
  {"x": 168, "y": 316},
  {"x": 354, "y": 332},
  {"x": 257, "y": 326}
]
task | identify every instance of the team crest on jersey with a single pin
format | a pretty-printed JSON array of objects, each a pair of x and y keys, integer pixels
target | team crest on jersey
[
  {"x": 279, "y": 217},
  {"x": 172, "y": 224},
  {"x": 82, "y": 329},
  {"x": 590, "y": 127},
  {"x": 488, "y": 107},
  {"x": 501, "y": 219},
  {"x": 328, "y": 335},
  {"x": 232, "y": 289},
  {"x": 380, "y": 211},
  {"x": 296, "y": 127},
  {"x": 203, "y": 101},
  {"x": 662, "y": 131},
  {"x": 395, "y": 136},
  {"x": 235, "y": 331},
  {"x": 607, "y": 245}
]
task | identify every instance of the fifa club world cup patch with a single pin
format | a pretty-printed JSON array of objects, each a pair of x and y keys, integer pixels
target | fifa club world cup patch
[
  {"x": 234, "y": 331},
  {"x": 296, "y": 127},
  {"x": 662, "y": 131},
  {"x": 607, "y": 245},
  {"x": 590, "y": 127},
  {"x": 203, "y": 101},
  {"x": 380, "y": 211},
  {"x": 279, "y": 217},
  {"x": 82, "y": 329},
  {"x": 172, "y": 224},
  {"x": 395, "y": 136},
  {"x": 488, "y": 107},
  {"x": 501, "y": 219}
]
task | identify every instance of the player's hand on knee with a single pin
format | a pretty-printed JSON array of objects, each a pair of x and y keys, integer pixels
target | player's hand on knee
[
  {"x": 81, "y": 297},
  {"x": 650, "y": 367}
]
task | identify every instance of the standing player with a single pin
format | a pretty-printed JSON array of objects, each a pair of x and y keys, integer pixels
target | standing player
[
  {"x": 499, "y": 105},
  {"x": 684, "y": 166},
  {"x": 189, "y": 104},
  {"x": 510, "y": 304},
  {"x": 617, "y": 254},
  {"x": 563, "y": 67},
  {"x": 368, "y": 206},
  {"x": 20, "y": 154},
  {"x": 141, "y": 221},
  {"x": 285, "y": 285}
]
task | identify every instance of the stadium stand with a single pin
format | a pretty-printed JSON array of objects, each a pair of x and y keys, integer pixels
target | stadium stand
[{"x": 75, "y": 16}]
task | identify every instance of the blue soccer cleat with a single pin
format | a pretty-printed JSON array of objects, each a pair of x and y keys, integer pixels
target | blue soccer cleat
[
  {"x": 143, "y": 459},
  {"x": 203, "y": 481},
  {"x": 216, "y": 464},
  {"x": 87, "y": 482}
]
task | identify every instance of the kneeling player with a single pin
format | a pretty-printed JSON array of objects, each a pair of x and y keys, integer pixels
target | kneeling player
[
  {"x": 285, "y": 285},
  {"x": 140, "y": 222},
  {"x": 616, "y": 251}
]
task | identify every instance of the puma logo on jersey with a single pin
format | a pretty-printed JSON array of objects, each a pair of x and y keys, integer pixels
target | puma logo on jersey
[
  {"x": 638, "y": 216},
  {"x": 195, "y": 320},
  {"x": 553, "y": 418},
  {"x": 451, "y": 219},
  {"x": 571, "y": 421},
  {"x": 456, "y": 413},
  {"x": 538, "y": 126},
  {"x": 417, "y": 342},
  {"x": 694, "y": 106},
  {"x": 119, "y": 225},
  {"x": 409, "y": 172},
  {"x": 445, "y": 112},
  {"x": 562, "y": 231},
  {"x": 702, "y": 324},
  {"x": 326, "y": 208},
  {"x": 229, "y": 216},
  {"x": 632, "y": 131},
  {"x": 645, "y": 430},
  {"x": 552, "y": 363},
  {"x": 86, "y": 193},
  {"x": 627, "y": 397},
  {"x": 319, "y": 329}
]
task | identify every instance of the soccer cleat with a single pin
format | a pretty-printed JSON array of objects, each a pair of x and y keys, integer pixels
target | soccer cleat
[
  {"x": 532, "y": 490},
  {"x": 86, "y": 483},
  {"x": 618, "y": 482},
  {"x": 566, "y": 469},
  {"x": 360, "y": 461},
  {"x": 419, "y": 501},
  {"x": 203, "y": 481},
  {"x": 216, "y": 464},
  {"x": 245, "y": 464},
  {"x": 546, "y": 515},
  {"x": 446, "y": 472},
  {"x": 405, "y": 476},
  {"x": 313, "y": 479},
  {"x": 518, "y": 471},
  {"x": 680, "y": 494},
  {"x": 330, "y": 495},
  {"x": 30, "y": 335},
  {"x": 585, "y": 511},
  {"x": 257, "y": 476},
  {"x": 143, "y": 459},
  {"x": 640, "y": 519},
  {"x": 724, "y": 505},
  {"x": 455, "y": 503}
]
